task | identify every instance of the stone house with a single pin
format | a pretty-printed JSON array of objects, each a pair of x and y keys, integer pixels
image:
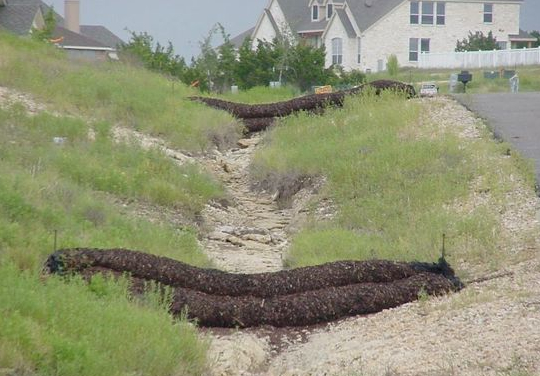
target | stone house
[
  {"x": 362, "y": 34},
  {"x": 83, "y": 42}
]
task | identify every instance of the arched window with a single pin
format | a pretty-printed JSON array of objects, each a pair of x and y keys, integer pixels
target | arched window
[{"x": 337, "y": 51}]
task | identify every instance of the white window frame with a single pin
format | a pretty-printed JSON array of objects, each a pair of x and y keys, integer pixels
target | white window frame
[
  {"x": 414, "y": 13},
  {"x": 418, "y": 46},
  {"x": 488, "y": 13},
  {"x": 426, "y": 15},
  {"x": 437, "y": 16},
  {"x": 359, "y": 50},
  {"x": 316, "y": 6},
  {"x": 329, "y": 10},
  {"x": 440, "y": 17},
  {"x": 337, "y": 51},
  {"x": 422, "y": 49},
  {"x": 413, "y": 48}
]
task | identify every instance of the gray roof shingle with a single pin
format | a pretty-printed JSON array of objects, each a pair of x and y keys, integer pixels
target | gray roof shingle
[
  {"x": 346, "y": 21},
  {"x": 18, "y": 16},
  {"x": 238, "y": 40},
  {"x": 75, "y": 40},
  {"x": 367, "y": 13},
  {"x": 298, "y": 16},
  {"x": 102, "y": 35}
]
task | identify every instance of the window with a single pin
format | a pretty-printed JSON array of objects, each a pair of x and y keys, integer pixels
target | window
[
  {"x": 329, "y": 10},
  {"x": 413, "y": 49},
  {"x": 337, "y": 51},
  {"x": 424, "y": 45},
  {"x": 441, "y": 13},
  {"x": 315, "y": 13},
  {"x": 415, "y": 12},
  {"x": 418, "y": 45},
  {"x": 359, "y": 50},
  {"x": 488, "y": 13},
  {"x": 427, "y": 12}
]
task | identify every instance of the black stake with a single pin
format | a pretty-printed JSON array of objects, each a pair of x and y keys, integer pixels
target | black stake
[
  {"x": 443, "y": 247},
  {"x": 55, "y": 237}
]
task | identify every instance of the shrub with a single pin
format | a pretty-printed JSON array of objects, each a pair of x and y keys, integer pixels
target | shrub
[{"x": 392, "y": 65}]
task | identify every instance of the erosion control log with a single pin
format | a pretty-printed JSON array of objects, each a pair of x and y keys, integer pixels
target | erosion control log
[
  {"x": 313, "y": 103},
  {"x": 211, "y": 281},
  {"x": 308, "y": 308}
]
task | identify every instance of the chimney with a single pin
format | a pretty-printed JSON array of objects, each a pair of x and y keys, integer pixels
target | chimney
[{"x": 71, "y": 15}]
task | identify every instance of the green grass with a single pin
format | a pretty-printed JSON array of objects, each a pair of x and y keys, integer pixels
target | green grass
[
  {"x": 113, "y": 92},
  {"x": 124, "y": 170},
  {"x": 51, "y": 326},
  {"x": 393, "y": 191},
  {"x": 55, "y": 328}
]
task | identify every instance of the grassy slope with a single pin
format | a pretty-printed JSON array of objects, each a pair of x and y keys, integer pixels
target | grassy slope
[
  {"x": 393, "y": 191},
  {"x": 49, "y": 327},
  {"x": 112, "y": 92}
]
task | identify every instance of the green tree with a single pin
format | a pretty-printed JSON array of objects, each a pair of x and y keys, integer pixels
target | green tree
[
  {"x": 46, "y": 32},
  {"x": 246, "y": 65},
  {"x": 536, "y": 35},
  {"x": 307, "y": 65},
  {"x": 158, "y": 58},
  {"x": 478, "y": 42}
]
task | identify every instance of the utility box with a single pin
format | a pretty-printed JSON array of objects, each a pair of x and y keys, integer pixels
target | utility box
[{"x": 452, "y": 84}]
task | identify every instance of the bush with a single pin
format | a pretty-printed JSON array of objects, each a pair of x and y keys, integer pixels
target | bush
[
  {"x": 392, "y": 65},
  {"x": 55, "y": 328}
]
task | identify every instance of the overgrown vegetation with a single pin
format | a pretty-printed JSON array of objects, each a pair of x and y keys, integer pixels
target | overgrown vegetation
[
  {"x": 115, "y": 93},
  {"x": 285, "y": 60},
  {"x": 393, "y": 190},
  {"x": 392, "y": 66},
  {"x": 55, "y": 328},
  {"x": 66, "y": 174}
]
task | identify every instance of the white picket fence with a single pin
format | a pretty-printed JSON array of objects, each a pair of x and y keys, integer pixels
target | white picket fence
[{"x": 480, "y": 59}]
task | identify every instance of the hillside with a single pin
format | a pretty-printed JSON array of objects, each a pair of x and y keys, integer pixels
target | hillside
[{"x": 115, "y": 156}]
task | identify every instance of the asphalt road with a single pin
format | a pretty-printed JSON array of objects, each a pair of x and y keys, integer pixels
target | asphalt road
[{"x": 513, "y": 117}]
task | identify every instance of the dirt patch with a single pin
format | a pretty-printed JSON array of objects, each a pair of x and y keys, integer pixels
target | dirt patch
[{"x": 10, "y": 97}]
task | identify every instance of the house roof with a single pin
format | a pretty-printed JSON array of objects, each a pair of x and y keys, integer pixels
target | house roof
[
  {"x": 523, "y": 36},
  {"x": 346, "y": 21},
  {"x": 238, "y": 40},
  {"x": 102, "y": 35},
  {"x": 72, "y": 39},
  {"x": 18, "y": 17},
  {"x": 368, "y": 12},
  {"x": 298, "y": 16},
  {"x": 365, "y": 12}
]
